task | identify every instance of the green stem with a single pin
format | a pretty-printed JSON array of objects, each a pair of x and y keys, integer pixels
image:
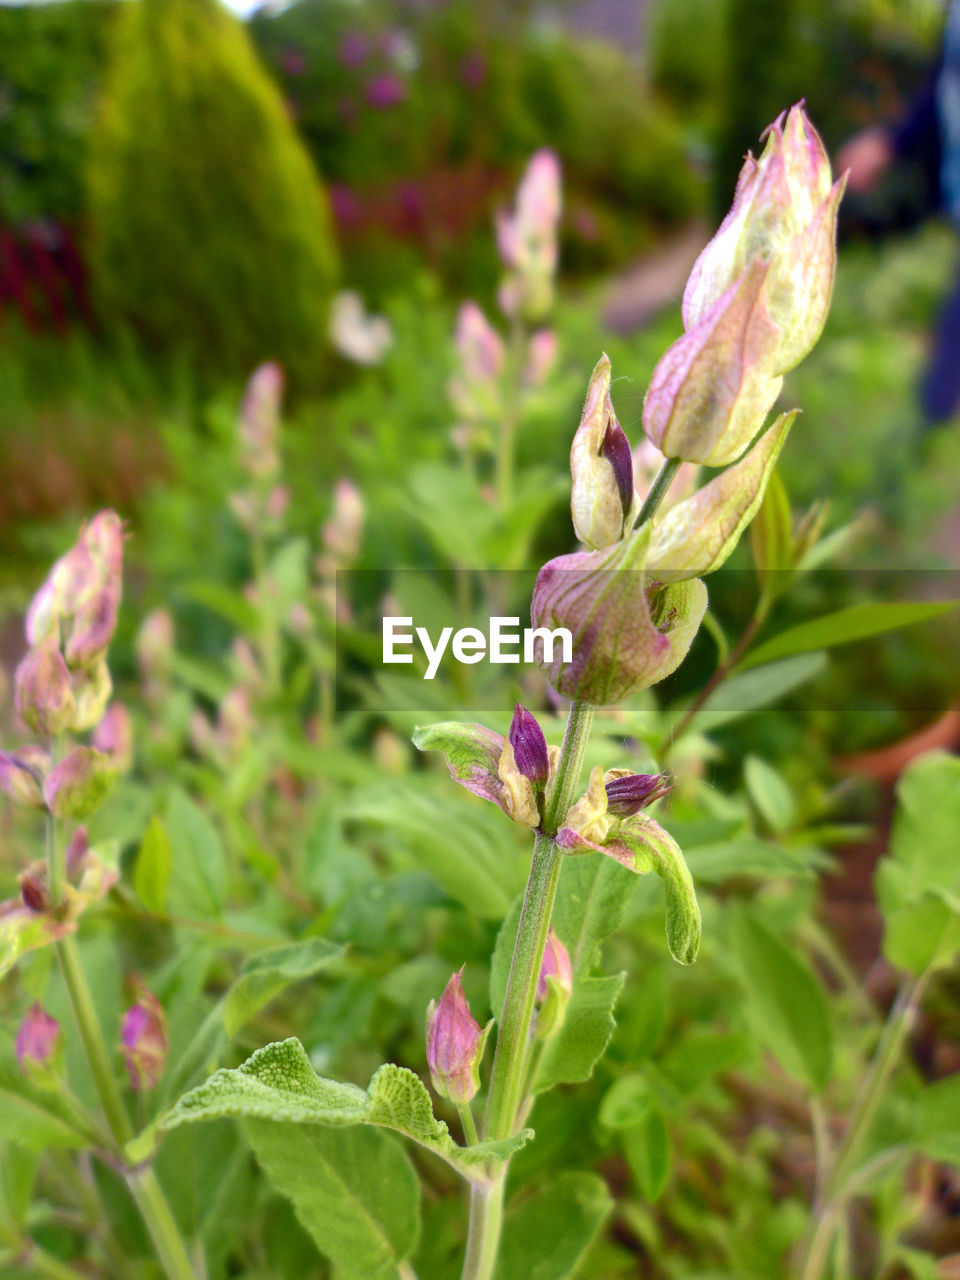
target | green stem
[
  {"x": 468, "y": 1123},
  {"x": 658, "y": 489},
  {"x": 507, "y": 1076},
  {"x": 841, "y": 1182},
  {"x": 164, "y": 1233},
  {"x": 45, "y": 1264},
  {"x": 143, "y": 1183}
]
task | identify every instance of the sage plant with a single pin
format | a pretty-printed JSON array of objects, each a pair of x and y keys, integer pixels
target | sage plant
[{"x": 632, "y": 601}]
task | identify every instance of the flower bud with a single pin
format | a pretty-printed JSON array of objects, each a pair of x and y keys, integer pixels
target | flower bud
[
  {"x": 628, "y": 631},
  {"x": 259, "y": 423},
  {"x": 474, "y": 389},
  {"x": 21, "y": 776},
  {"x": 34, "y": 893},
  {"x": 628, "y": 793},
  {"x": 342, "y": 533},
  {"x": 44, "y": 697},
  {"x": 527, "y": 240},
  {"x": 455, "y": 1044},
  {"x": 601, "y": 466},
  {"x": 38, "y": 1041},
  {"x": 529, "y": 746},
  {"x": 145, "y": 1040},
  {"x": 114, "y": 736},
  {"x": 154, "y": 646},
  {"x": 712, "y": 390},
  {"x": 785, "y": 211},
  {"x": 554, "y": 988},
  {"x": 77, "y": 785},
  {"x": 541, "y": 357},
  {"x": 77, "y": 851},
  {"x": 484, "y": 763}
]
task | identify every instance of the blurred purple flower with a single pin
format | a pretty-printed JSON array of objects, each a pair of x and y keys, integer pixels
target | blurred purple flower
[{"x": 385, "y": 91}]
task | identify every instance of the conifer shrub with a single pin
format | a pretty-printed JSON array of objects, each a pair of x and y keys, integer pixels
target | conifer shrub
[{"x": 209, "y": 229}]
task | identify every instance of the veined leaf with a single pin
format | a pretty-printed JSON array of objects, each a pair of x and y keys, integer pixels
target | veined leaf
[
  {"x": 856, "y": 622},
  {"x": 278, "y": 1083},
  {"x": 268, "y": 972},
  {"x": 545, "y": 1236}
]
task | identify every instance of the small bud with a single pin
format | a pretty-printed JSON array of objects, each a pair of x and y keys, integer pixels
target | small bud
[
  {"x": 529, "y": 746},
  {"x": 154, "y": 647},
  {"x": 554, "y": 988},
  {"x": 145, "y": 1041},
  {"x": 541, "y": 357},
  {"x": 556, "y": 964},
  {"x": 259, "y": 423},
  {"x": 44, "y": 697},
  {"x": 342, "y": 533},
  {"x": 601, "y": 467},
  {"x": 77, "y": 785},
  {"x": 484, "y": 763},
  {"x": 21, "y": 776},
  {"x": 114, "y": 736},
  {"x": 527, "y": 240},
  {"x": 77, "y": 851},
  {"x": 34, "y": 893},
  {"x": 38, "y": 1041},
  {"x": 628, "y": 793},
  {"x": 712, "y": 390},
  {"x": 455, "y": 1044},
  {"x": 628, "y": 632}
]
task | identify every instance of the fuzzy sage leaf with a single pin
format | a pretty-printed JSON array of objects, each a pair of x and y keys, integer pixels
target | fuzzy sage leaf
[{"x": 278, "y": 1083}]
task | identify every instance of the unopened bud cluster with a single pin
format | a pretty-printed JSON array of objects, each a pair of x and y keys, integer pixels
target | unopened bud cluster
[
  {"x": 486, "y": 374},
  {"x": 63, "y": 686}
]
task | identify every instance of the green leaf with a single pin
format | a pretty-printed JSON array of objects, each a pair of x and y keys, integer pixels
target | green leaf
[
  {"x": 748, "y": 691},
  {"x": 626, "y": 1102},
  {"x": 278, "y": 1083},
  {"x": 231, "y": 605},
  {"x": 647, "y": 1148},
  {"x": 787, "y": 1006},
  {"x": 570, "y": 1055},
  {"x": 769, "y": 793},
  {"x": 937, "y": 1119},
  {"x": 771, "y": 533},
  {"x": 151, "y": 874},
  {"x": 547, "y": 1234},
  {"x": 856, "y": 622},
  {"x": 198, "y": 878},
  {"x": 353, "y": 1190},
  {"x": 268, "y": 972},
  {"x": 591, "y": 898},
  {"x": 655, "y": 849},
  {"x": 502, "y": 956},
  {"x": 34, "y": 1117},
  {"x": 923, "y": 934}
]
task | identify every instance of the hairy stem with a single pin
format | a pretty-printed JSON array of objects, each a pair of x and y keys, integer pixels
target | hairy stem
[{"x": 507, "y": 1076}]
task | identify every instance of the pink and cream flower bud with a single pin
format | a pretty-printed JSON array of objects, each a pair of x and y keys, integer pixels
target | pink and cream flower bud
[
  {"x": 602, "y": 501},
  {"x": 38, "y": 1042},
  {"x": 784, "y": 212},
  {"x": 455, "y": 1044},
  {"x": 76, "y": 786},
  {"x": 541, "y": 357},
  {"x": 114, "y": 736},
  {"x": 628, "y": 631},
  {"x": 145, "y": 1041},
  {"x": 259, "y": 423},
  {"x": 527, "y": 240},
  {"x": 474, "y": 388},
  {"x": 43, "y": 693},
  {"x": 21, "y": 775},
  {"x": 712, "y": 390}
]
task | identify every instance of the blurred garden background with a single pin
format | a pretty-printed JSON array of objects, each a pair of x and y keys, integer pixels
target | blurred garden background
[{"x": 187, "y": 193}]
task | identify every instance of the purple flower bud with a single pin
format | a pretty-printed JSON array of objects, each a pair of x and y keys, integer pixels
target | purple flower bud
[
  {"x": 386, "y": 91},
  {"x": 555, "y": 964},
  {"x": 21, "y": 776},
  {"x": 541, "y": 356},
  {"x": 615, "y": 447},
  {"x": 34, "y": 893},
  {"x": 44, "y": 697},
  {"x": 454, "y": 1044},
  {"x": 38, "y": 1039},
  {"x": 529, "y": 746},
  {"x": 145, "y": 1040},
  {"x": 77, "y": 785},
  {"x": 632, "y": 792}
]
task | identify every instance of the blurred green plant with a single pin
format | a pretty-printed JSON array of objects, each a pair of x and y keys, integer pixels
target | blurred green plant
[{"x": 210, "y": 232}]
